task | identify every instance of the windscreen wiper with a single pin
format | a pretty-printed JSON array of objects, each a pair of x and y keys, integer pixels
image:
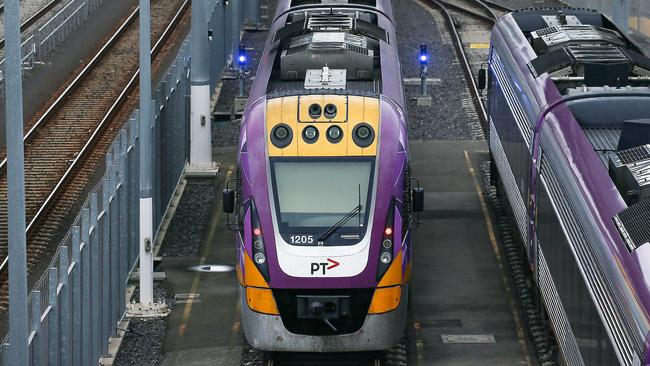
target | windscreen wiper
[{"x": 339, "y": 224}]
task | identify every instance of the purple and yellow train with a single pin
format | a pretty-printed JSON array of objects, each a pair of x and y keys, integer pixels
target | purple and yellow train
[
  {"x": 323, "y": 204},
  {"x": 569, "y": 106}
]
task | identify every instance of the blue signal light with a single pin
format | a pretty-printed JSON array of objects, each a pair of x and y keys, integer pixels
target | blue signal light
[
  {"x": 242, "y": 58},
  {"x": 424, "y": 55}
]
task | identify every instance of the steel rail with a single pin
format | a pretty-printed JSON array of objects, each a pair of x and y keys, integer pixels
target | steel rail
[
  {"x": 498, "y": 6},
  {"x": 33, "y": 19},
  {"x": 458, "y": 44},
  {"x": 487, "y": 18},
  {"x": 110, "y": 114}
]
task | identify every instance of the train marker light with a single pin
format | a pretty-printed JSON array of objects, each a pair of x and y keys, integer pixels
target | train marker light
[
  {"x": 388, "y": 231},
  {"x": 387, "y": 243},
  {"x": 257, "y": 231},
  {"x": 330, "y": 111}
]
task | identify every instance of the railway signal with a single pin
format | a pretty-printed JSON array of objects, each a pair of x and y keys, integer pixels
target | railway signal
[
  {"x": 242, "y": 59},
  {"x": 424, "y": 69}
]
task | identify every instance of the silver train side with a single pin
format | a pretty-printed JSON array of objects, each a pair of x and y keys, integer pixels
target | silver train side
[{"x": 569, "y": 134}]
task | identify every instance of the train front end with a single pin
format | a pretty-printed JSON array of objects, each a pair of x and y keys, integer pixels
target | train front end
[{"x": 323, "y": 208}]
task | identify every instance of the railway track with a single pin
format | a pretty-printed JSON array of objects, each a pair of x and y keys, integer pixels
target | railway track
[
  {"x": 469, "y": 23},
  {"x": 29, "y": 22},
  {"x": 68, "y": 142}
]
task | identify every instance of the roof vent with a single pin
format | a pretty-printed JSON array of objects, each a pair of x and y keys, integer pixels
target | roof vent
[
  {"x": 630, "y": 170},
  {"x": 325, "y": 78},
  {"x": 338, "y": 50},
  {"x": 633, "y": 224}
]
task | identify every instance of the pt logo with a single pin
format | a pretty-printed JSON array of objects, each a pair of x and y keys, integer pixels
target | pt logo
[{"x": 324, "y": 267}]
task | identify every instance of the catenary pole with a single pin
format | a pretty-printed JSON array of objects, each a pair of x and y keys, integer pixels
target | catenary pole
[
  {"x": 146, "y": 202},
  {"x": 200, "y": 125},
  {"x": 18, "y": 347}
]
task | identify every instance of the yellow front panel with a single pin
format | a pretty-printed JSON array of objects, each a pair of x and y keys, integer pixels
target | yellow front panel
[{"x": 351, "y": 110}]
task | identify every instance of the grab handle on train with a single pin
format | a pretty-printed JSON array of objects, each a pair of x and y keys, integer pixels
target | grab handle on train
[
  {"x": 228, "y": 200},
  {"x": 418, "y": 199}
]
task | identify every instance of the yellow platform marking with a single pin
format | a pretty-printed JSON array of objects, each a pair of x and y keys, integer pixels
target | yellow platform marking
[
  {"x": 516, "y": 316},
  {"x": 479, "y": 45}
]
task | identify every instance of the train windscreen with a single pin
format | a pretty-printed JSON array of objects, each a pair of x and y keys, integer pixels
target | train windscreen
[{"x": 316, "y": 196}]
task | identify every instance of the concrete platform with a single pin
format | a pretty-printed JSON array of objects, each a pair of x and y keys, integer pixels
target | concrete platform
[
  {"x": 459, "y": 286},
  {"x": 460, "y": 291}
]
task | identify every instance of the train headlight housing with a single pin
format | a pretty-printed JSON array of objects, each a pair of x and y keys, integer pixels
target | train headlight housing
[
  {"x": 330, "y": 111},
  {"x": 258, "y": 250},
  {"x": 281, "y": 135},
  {"x": 363, "y": 135},
  {"x": 310, "y": 134},
  {"x": 334, "y": 134},
  {"x": 315, "y": 111},
  {"x": 386, "y": 249}
]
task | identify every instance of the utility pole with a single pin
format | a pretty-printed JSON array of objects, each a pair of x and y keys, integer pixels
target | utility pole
[
  {"x": 146, "y": 201},
  {"x": 200, "y": 117},
  {"x": 18, "y": 328}
]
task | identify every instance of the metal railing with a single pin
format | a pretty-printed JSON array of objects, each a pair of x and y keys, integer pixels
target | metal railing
[
  {"x": 77, "y": 304},
  {"x": 44, "y": 39}
]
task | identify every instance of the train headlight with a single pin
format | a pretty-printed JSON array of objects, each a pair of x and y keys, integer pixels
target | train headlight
[
  {"x": 334, "y": 134},
  {"x": 363, "y": 135},
  {"x": 260, "y": 258},
  {"x": 310, "y": 134},
  {"x": 281, "y": 135},
  {"x": 387, "y": 243},
  {"x": 315, "y": 111},
  {"x": 330, "y": 111},
  {"x": 258, "y": 244},
  {"x": 384, "y": 258}
]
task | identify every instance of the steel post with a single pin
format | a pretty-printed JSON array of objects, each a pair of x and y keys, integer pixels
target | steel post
[
  {"x": 75, "y": 285},
  {"x": 18, "y": 313},
  {"x": 53, "y": 318},
  {"x": 146, "y": 206},
  {"x": 66, "y": 311},
  {"x": 200, "y": 125},
  {"x": 95, "y": 274},
  {"x": 86, "y": 338},
  {"x": 36, "y": 329},
  {"x": 105, "y": 219}
]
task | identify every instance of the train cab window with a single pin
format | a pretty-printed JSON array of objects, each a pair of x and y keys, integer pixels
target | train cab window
[{"x": 314, "y": 196}]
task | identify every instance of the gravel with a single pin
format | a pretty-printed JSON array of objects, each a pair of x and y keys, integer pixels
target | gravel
[
  {"x": 190, "y": 220},
  {"x": 447, "y": 119},
  {"x": 143, "y": 341}
]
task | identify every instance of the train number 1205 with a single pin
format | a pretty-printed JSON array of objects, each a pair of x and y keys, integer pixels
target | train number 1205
[{"x": 302, "y": 239}]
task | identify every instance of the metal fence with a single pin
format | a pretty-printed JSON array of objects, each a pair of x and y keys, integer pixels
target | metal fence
[
  {"x": 78, "y": 302},
  {"x": 630, "y": 15},
  {"x": 43, "y": 40}
]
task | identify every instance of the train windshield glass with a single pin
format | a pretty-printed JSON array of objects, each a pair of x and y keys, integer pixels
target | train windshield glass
[{"x": 312, "y": 195}]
